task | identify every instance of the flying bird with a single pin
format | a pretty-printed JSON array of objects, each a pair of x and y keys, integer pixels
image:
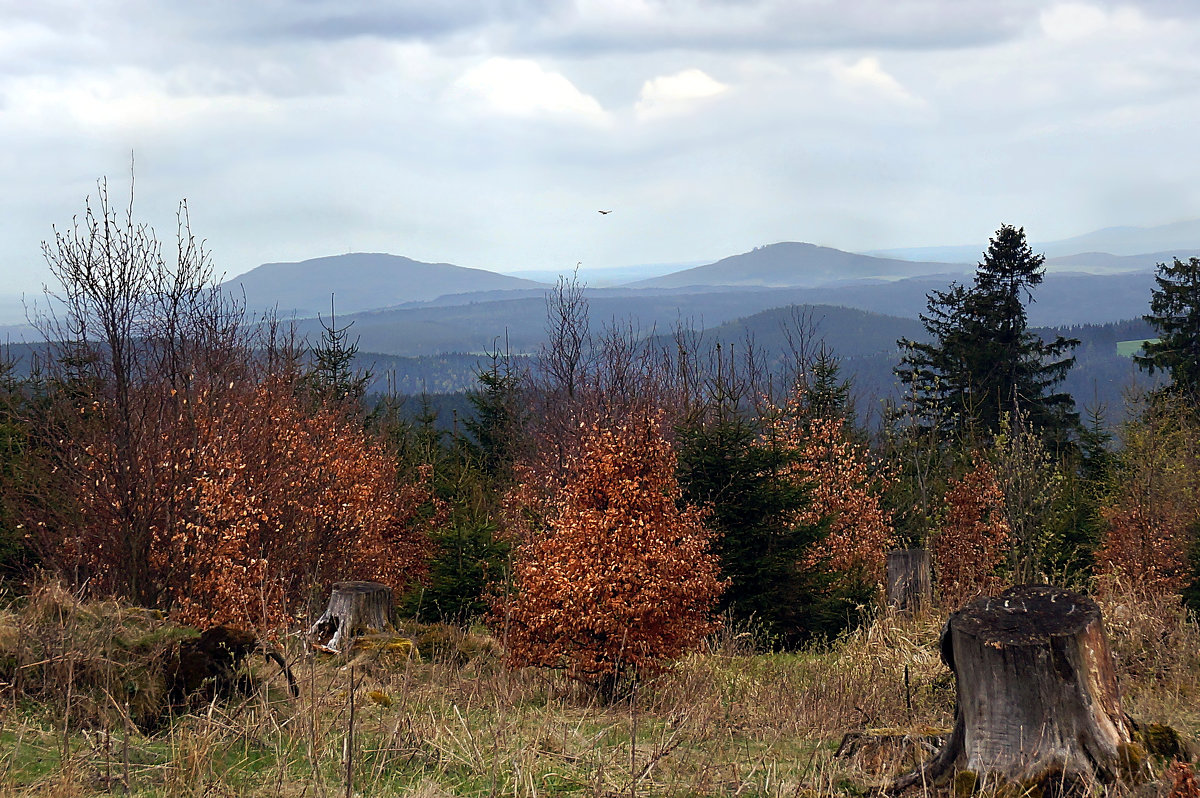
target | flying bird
[{"x": 605, "y": 211}]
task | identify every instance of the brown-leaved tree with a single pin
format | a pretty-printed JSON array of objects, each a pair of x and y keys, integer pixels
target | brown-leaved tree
[
  {"x": 972, "y": 545},
  {"x": 620, "y": 579}
]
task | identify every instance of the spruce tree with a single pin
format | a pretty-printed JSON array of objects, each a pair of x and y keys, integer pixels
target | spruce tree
[
  {"x": 981, "y": 360},
  {"x": 334, "y": 376},
  {"x": 724, "y": 465},
  {"x": 498, "y": 417},
  {"x": 1175, "y": 314}
]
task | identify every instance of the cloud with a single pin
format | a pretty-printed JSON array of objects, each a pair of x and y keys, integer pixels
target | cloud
[
  {"x": 608, "y": 26},
  {"x": 670, "y": 94},
  {"x": 302, "y": 128},
  {"x": 522, "y": 87},
  {"x": 125, "y": 102},
  {"x": 867, "y": 77},
  {"x": 1076, "y": 21}
]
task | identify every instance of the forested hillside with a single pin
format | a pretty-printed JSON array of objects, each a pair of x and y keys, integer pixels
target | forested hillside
[{"x": 606, "y": 508}]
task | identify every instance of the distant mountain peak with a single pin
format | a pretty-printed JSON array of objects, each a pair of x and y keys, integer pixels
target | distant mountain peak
[
  {"x": 362, "y": 281},
  {"x": 795, "y": 264}
]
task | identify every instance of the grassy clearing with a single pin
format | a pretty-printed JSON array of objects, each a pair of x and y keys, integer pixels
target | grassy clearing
[
  {"x": 728, "y": 721},
  {"x": 1132, "y": 347}
]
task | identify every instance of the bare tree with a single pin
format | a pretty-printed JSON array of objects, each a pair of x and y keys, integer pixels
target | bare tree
[
  {"x": 563, "y": 357},
  {"x": 134, "y": 339}
]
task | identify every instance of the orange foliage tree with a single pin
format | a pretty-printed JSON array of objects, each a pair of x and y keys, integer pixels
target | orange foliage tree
[
  {"x": 620, "y": 578},
  {"x": 845, "y": 488},
  {"x": 179, "y": 467},
  {"x": 279, "y": 501},
  {"x": 972, "y": 545},
  {"x": 1153, "y": 508}
]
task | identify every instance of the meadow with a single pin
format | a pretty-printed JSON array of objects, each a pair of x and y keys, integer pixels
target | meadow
[{"x": 83, "y": 711}]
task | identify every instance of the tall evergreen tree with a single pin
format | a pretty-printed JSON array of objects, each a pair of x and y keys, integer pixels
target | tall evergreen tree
[
  {"x": 981, "y": 360},
  {"x": 827, "y": 394},
  {"x": 724, "y": 465},
  {"x": 14, "y": 461},
  {"x": 498, "y": 417},
  {"x": 334, "y": 376},
  {"x": 1175, "y": 314}
]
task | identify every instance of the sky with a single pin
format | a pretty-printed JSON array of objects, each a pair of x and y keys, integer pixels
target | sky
[{"x": 489, "y": 133}]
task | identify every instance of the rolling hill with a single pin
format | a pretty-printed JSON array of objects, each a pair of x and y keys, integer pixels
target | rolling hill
[
  {"x": 1178, "y": 238},
  {"x": 797, "y": 265},
  {"x": 360, "y": 281}
]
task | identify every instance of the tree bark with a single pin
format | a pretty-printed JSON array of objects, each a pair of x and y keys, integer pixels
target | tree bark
[
  {"x": 909, "y": 586},
  {"x": 1038, "y": 703},
  {"x": 354, "y": 608}
]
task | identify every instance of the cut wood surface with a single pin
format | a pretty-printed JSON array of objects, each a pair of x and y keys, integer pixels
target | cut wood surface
[
  {"x": 354, "y": 608},
  {"x": 909, "y": 586},
  {"x": 1038, "y": 704}
]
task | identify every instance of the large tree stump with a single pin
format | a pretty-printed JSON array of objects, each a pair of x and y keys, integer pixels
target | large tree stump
[
  {"x": 909, "y": 586},
  {"x": 1037, "y": 697},
  {"x": 354, "y": 608}
]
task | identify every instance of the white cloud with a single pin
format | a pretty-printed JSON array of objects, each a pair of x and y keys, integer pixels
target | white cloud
[
  {"x": 868, "y": 77},
  {"x": 668, "y": 94},
  {"x": 1072, "y": 21},
  {"x": 521, "y": 87},
  {"x": 125, "y": 102},
  {"x": 1077, "y": 21}
]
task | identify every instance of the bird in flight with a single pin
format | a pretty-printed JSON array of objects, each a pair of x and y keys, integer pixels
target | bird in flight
[{"x": 605, "y": 211}]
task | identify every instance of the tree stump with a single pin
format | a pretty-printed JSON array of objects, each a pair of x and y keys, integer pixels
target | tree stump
[
  {"x": 1038, "y": 704},
  {"x": 354, "y": 608},
  {"x": 909, "y": 587}
]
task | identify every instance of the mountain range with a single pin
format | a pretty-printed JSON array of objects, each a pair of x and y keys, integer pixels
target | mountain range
[
  {"x": 1175, "y": 238},
  {"x": 428, "y": 324},
  {"x": 360, "y": 281},
  {"x": 794, "y": 265}
]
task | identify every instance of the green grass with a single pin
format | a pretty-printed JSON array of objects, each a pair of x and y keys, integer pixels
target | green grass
[
  {"x": 1131, "y": 348},
  {"x": 723, "y": 722}
]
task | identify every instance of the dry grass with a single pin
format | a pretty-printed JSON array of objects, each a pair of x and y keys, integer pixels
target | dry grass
[{"x": 728, "y": 721}]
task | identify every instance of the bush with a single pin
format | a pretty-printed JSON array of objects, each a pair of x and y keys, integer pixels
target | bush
[
  {"x": 620, "y": 579},
  {"x": 971, "y": 547}
]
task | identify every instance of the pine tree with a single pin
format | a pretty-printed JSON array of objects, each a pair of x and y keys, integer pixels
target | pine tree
[
  {"x": 828, "y": 394},
  {"x": 14, "y": 460},
  {"x": 334, "y": 376},
  {"x": 498, "y": 417},
  {"x": 1175, "y": 314},
  {"x": 982, "y": 361},
  {"x": 726, "y": 466}
]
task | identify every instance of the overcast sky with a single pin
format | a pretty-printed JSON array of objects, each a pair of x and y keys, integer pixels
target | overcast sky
[{"x": 488, "y": 133}]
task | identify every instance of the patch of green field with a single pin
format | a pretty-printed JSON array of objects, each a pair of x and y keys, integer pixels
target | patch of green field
[{"x": 1131, "y": 348}]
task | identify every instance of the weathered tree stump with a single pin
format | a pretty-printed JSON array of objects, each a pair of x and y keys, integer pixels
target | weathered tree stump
[
  {"x": 354, "y": 608},
  {"x": 1038, "y": 704},
  {"x": 889, "y": 749},
  {"x": 909, "y": 586}
]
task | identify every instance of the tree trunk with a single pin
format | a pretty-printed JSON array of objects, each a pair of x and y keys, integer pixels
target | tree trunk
[
  {"x": 354, "y": 607},
  {"x": 1037, "y": 697},
  {"x": 909, "y": 587}
]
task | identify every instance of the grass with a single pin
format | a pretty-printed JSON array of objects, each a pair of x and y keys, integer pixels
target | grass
[
  {"x": 1132, "y": 347},
  {"x": 726, "y": 721}
]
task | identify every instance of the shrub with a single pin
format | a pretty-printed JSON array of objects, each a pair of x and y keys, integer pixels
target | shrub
[
  {"x": 620, "y": 579},
  {"x": 1153, "y": 507},
  {"x": 265, "y": 502},
  {"x": 972, "y": 545}
]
